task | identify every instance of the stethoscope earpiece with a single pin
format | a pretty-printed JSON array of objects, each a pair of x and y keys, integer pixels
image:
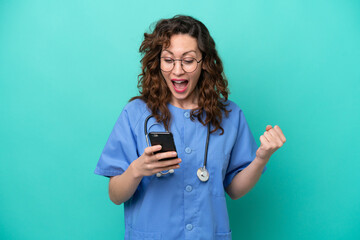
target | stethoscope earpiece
[{"x": 159, "y": 174}]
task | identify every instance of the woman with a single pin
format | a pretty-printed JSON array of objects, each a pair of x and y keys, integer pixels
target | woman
[{"x": 183, "y": 87}]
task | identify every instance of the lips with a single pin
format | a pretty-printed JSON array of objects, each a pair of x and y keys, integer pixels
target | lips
[{"x": 180, "y": 85}]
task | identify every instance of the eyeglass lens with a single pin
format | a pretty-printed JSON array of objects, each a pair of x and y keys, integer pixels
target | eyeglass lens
[{"x": 187, "y": 64}]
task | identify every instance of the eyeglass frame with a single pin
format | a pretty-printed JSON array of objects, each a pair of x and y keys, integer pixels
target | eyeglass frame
[{"x": 182, "y": 67}]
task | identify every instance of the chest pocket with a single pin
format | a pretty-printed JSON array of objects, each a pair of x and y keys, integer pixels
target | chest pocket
[{"x": 217, "y": 164}]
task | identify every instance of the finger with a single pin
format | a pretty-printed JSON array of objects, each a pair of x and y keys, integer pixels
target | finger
[
  {"x": 268, "y": 127},
  {"x": 281, "y": 134},
  {"x": 268, "y": 136},
  {"x": 155, "y": 166},
  {"x": 167, "y": 163},
  {"x": 274, "y": 134},
  {"x": 263, "y": 140},
  {"x": 164, "y": 155},
  {"x": 152, "y": 149},
  {"x": 276, "y": 137}
]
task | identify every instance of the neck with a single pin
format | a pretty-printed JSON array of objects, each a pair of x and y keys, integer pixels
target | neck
[{"x": 189, "y": 103}]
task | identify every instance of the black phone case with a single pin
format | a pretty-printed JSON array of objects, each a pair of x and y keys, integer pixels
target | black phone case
[{"x": 165, "y": 139}]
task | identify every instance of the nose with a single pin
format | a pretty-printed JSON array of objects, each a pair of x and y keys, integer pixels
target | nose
[{"x": 178, "y": 70}]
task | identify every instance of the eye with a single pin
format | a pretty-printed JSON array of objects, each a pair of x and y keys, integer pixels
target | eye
[
  {"x": 168, "y": 60},
  {"x": 188, "y": 60}
]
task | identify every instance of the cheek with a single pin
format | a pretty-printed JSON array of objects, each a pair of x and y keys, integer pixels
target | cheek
[{"x": 166, "y": 76}]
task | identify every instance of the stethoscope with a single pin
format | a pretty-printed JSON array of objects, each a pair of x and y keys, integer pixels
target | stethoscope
[{"x": 202, "y": 172}]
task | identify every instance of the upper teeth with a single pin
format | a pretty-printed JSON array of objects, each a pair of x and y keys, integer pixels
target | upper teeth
[{"x": 179, "y": 81}]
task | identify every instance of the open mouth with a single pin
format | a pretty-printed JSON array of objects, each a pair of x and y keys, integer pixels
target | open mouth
[{"x": 180, "y": 85}]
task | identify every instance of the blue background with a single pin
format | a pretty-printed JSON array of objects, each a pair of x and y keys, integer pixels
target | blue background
[{"x": 67, "y": 68}]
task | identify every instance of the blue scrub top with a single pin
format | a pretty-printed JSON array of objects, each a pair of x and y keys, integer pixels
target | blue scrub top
[{"x": 179, "y": 205}]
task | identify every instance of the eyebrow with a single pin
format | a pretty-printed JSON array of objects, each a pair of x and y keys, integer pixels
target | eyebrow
[{"x": 182, "y": 54}]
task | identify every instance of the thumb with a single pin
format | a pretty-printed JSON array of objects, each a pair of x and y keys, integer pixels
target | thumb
[{"x": 268, "y": 127}]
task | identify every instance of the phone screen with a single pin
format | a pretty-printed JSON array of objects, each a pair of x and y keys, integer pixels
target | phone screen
[{"x": 165, "y": 139}]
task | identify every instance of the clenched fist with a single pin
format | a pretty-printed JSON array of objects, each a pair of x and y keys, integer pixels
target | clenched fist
[{"x": 272, "y": 140}]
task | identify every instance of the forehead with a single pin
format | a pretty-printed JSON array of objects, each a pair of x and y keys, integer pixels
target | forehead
[{"x": 181, "y": 43}]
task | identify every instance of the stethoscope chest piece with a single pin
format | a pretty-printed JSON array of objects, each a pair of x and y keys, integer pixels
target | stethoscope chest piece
[{"x": 203, "y": 174}]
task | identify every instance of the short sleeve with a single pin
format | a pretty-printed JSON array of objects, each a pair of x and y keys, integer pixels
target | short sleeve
[
  {"x": 120, "y": 149},
  {"x": 243, "y": 152}
]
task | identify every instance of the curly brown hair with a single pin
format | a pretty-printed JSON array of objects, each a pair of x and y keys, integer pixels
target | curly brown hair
[{"x": 212, "y": 83}]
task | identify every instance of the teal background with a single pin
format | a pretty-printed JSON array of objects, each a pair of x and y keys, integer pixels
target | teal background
[{"x": 67, "y": 68}]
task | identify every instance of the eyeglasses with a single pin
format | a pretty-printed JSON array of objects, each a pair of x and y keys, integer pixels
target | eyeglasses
[{"x": 188, "y": 64}]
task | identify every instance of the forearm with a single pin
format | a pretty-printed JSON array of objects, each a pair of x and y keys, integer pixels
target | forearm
[
  {"x": 245, "y": 180},
  {"x": 123, "y": 186}
]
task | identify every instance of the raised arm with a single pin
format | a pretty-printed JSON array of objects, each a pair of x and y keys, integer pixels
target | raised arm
[{"x": 245, "y": 180}]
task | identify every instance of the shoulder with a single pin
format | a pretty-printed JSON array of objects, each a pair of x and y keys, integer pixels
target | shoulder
[
  {"x": 235, "y": 115},
  {"x": 233, "y": 107},
  {"x": 136, "y": 105},
  {"x": 133, "y": 112}
]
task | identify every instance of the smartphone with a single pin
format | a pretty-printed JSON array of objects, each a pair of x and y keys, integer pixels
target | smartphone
[{"x": 166, "y": 140}]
